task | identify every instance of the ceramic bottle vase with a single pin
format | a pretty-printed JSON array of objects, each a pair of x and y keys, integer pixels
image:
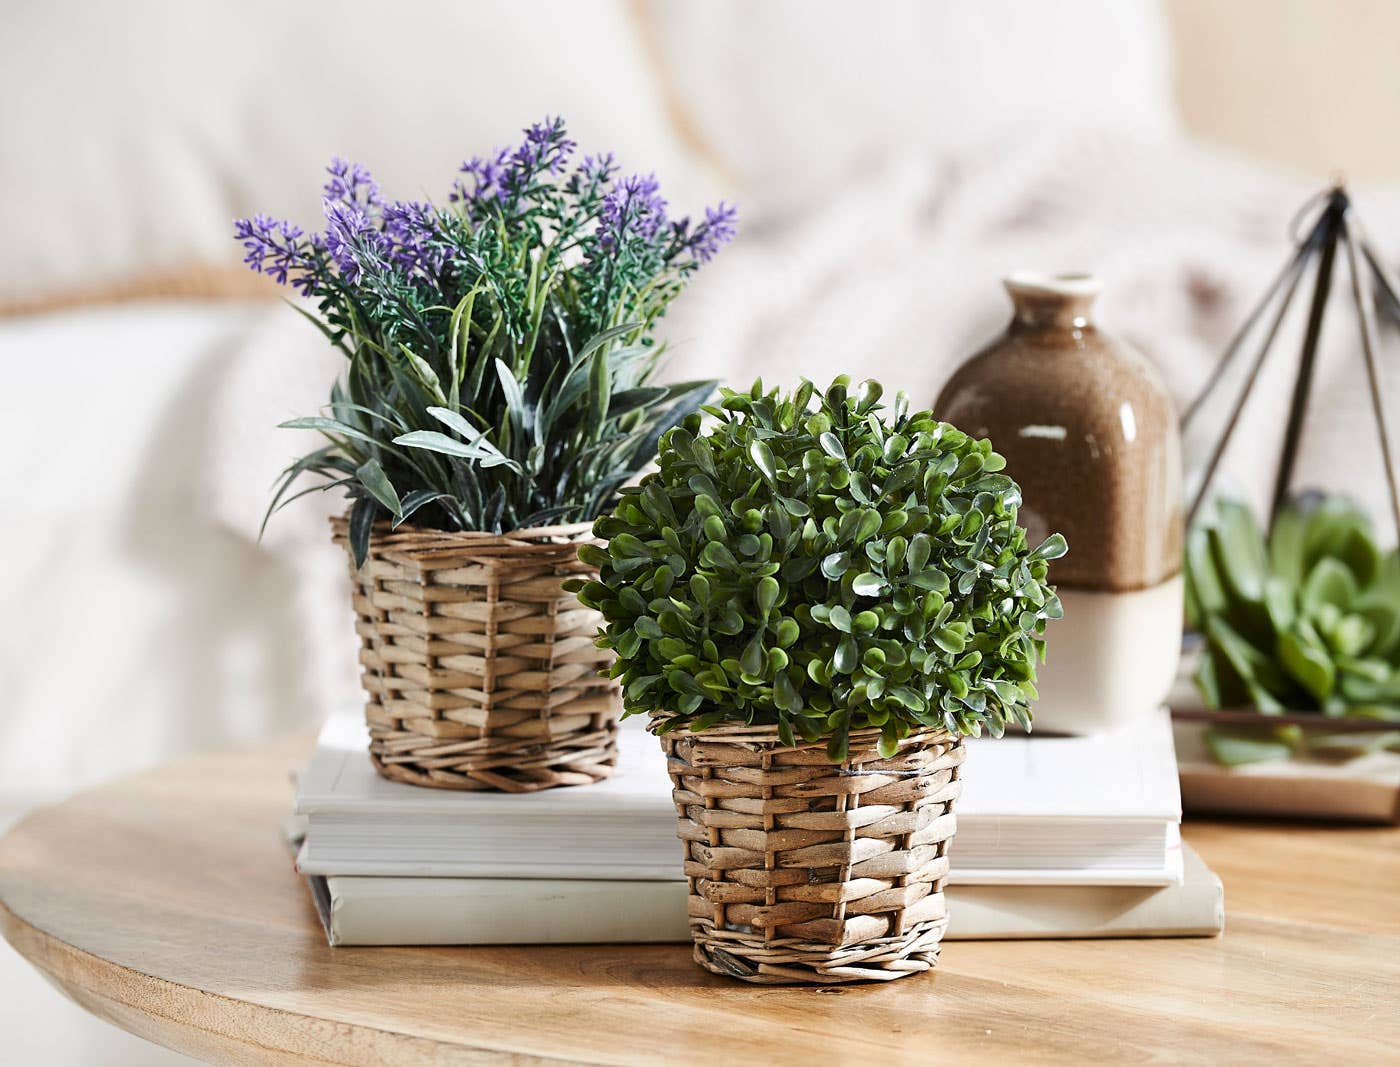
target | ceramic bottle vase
[{"x": 1090, "y": 434}]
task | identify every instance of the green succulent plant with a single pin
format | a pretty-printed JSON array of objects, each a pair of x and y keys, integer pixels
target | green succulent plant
[
  {"x": 1307, "y": 620},
  {"x": 804, "y": 563}
]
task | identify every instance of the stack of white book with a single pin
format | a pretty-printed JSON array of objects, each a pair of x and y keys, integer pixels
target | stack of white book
[{"x": 1057, "y": 837}]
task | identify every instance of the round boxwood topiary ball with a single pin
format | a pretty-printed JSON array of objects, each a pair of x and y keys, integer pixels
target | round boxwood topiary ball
[{"x": 805, "y": 563}]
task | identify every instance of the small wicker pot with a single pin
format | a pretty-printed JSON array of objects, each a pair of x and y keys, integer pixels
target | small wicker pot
[
  {"x": 802, "y": 871},
  {"x": 479, "y": 668}
]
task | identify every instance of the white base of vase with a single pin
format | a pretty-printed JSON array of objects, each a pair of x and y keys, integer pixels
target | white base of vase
[{"x": 1112, "y": 658}]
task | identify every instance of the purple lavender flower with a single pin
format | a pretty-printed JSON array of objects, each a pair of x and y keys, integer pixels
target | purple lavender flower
[
  {"x": 718, "y": 229},
  {"x": 350, "y": 237},
  {"x": 487, "y": 173},
  {"x": 412, "y": 232},
  {"x": 274, "y": 247},
  {"x": 546, "y": 147},
  {"x": 503, "y": 178},
  {"x": 633, "y": 209},
  {"x": 599, "y": 168},
  {"x": 517, "y": 205},
  {"x": 348, "y": 180},
  {"x": 590, "y": 178}
]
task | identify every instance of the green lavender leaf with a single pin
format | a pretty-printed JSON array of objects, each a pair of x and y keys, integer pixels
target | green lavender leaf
[{"x": 373, "y": 478}]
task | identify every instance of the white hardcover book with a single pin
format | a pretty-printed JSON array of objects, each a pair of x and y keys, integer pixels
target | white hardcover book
[
  {"x": 507, "y": 911},
  {"x": 1101, "y": 810}
]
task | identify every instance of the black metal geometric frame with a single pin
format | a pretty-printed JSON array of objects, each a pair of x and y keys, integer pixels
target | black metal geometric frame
[{"x": 1334, "y": 228}]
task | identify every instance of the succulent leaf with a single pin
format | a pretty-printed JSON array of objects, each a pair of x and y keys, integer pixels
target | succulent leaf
[
  {"x": 1286, "y": 546},
  {"x": 1310, "y": 667},
  {"x": 1329, "y": 582},
  {"x": 1237, "y": 745},
  {"x": 1239, "y": 552}
]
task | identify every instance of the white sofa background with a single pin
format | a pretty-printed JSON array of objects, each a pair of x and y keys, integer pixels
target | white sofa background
[{"x": 892, "y": 160}]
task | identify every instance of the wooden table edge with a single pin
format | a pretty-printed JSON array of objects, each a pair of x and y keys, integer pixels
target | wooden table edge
[
  {"x": 96, "y": 985},
  {"x": 229, "y": 1026}
]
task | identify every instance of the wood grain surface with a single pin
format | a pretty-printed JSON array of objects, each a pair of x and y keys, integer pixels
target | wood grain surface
[{"x": 166, "y": 904}]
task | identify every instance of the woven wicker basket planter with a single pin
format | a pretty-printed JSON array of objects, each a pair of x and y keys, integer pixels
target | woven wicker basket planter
[
  {"x": 479, "y": 668},
  {"x": 805, "y": 871}
]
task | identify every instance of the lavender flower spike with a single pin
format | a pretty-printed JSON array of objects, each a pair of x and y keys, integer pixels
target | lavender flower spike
[
  {"x": 411, "y": 230},
  {"x": 350, "y": 236},
  {"x": 633, "y": 209},
  {"x": 546, "y": 147},
  {"x": 718, "y": 229},
  {"x": 487, "y": 174},
  {"x": 599, "y": 168},
  {"x": 505, "y": 178},
  {"x": 348, "y": 180},
  {"x": 275, "y": 248}
]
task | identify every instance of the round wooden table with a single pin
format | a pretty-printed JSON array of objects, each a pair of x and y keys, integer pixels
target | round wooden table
[{"x": 167, "y": 905}]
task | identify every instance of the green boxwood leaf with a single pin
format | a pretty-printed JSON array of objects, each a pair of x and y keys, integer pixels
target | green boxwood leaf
[
  {"x": 763, "y": 459},
  {"x": 785, "y": 694},
  {"x": 767, "y": 594},
  {"x": 844, "y": 659},
  {"x": 1053, "y": 547},
  {"x": 832, "y": 446},
  {"x": 868, "y": 584}
]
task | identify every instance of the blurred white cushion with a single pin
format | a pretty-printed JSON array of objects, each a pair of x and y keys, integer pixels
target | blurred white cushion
[
  {"x": 797, "y": 95},
  {"x": 134, "y": 133},
  {"x": 140, "y": 617}
]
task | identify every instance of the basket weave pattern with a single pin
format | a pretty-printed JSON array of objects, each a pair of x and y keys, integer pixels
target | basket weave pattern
[
  {"x": 479, "y": 668},
  {"x": 805, "y": 871}
]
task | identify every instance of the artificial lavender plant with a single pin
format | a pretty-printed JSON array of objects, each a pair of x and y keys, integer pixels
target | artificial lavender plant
[{"x": 500, "y": 346}]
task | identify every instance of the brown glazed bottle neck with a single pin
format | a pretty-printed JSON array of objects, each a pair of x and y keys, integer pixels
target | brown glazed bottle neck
[{"x": 1057, "y": 301}]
